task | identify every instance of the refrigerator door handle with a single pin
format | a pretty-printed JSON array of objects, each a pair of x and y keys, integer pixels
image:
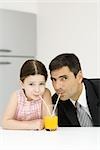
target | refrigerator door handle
[
  {"x": 5, "y": 50},
  {"x": 5, "y": 63}
]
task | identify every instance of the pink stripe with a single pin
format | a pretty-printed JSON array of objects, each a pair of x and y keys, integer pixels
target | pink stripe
[{"x": 28, "y": 111}]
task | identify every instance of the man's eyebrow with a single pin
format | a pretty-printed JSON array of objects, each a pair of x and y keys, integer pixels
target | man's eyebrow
[
  {"x": 62, "y": 76},
  {"x": 52, "y": 78}
]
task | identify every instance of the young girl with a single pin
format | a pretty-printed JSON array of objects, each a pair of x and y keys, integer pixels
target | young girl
[{"x": 26, "y": 107}]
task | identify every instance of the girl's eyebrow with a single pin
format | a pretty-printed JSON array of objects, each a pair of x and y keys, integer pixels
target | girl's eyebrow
[{"x": 36, "y": 82}]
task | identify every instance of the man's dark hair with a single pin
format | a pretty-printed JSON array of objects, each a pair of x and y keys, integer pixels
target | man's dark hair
[{"x": 66, "y": 59}]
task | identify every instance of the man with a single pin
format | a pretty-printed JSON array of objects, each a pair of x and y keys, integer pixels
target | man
[{"x": 79, "y": 103}]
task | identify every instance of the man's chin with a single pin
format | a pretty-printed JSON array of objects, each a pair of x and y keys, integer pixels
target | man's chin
[{"x": 63, "y": 97}]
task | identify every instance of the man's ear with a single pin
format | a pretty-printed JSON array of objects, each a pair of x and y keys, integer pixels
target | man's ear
[{"x": 80, "y": 76}]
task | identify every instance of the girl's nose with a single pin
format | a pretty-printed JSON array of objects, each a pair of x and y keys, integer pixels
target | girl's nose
[{"x": 37, "y": 89}]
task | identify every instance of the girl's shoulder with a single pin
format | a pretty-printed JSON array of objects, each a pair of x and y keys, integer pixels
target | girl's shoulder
[
  {"x": 47, "y": 96},
  {"x": 47, "y": 91},
  {"x": 13, "y": 98},
  {"x": 20, "y": 95},
  {"x": 19, "y": 92}
]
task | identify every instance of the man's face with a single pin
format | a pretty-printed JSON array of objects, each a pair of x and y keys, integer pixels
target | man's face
[{"x": 66, "y": 84}]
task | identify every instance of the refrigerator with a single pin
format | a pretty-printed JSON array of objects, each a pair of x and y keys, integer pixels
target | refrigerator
[{"x": 17, "y": 44}]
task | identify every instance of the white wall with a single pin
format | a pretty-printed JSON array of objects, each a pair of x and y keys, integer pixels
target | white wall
[
  {"x": 69, "y": 27},
  {"x": 24, "y": 5},
  {"x": 65, "y": 26}
]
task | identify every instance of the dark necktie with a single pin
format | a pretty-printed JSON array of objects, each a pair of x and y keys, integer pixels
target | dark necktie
[{"x": 83, "y": 117}]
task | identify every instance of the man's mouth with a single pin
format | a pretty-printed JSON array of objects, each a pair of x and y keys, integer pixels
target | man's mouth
[{"x": 60, "y": 92}]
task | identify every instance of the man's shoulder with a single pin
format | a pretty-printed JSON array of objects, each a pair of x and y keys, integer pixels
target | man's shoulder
[{"x": 95, "y": 83}]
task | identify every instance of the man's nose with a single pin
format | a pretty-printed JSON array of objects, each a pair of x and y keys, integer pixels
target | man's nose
[{"x": 58, "y": 85}]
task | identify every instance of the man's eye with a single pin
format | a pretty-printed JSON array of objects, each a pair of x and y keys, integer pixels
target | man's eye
[
  {"x": 52, "y": 79},
  {"x": 63, "y": 78},
  {"x": 42, "y": 83}
]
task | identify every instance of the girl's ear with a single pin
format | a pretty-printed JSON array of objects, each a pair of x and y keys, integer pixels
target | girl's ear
[
  {"x": 21, "y": 84},
  {"x": 80, "y": 76}
]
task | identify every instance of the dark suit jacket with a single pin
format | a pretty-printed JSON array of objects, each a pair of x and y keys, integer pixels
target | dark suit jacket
[{"x": 67, "y": 112}]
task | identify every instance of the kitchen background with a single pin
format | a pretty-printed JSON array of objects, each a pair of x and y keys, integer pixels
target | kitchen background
[{"x": 44, "y": 29}]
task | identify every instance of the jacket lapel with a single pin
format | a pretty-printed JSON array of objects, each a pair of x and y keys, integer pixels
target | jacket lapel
[
  {"x": 92, "y": 101},
  {"x": 70, "y": 112}
]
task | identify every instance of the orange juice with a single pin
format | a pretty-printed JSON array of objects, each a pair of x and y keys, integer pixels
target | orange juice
[{"x": 51, "y": 122}]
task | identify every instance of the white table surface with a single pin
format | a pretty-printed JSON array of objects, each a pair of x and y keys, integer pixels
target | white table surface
[{"x": 67, "y": 138}]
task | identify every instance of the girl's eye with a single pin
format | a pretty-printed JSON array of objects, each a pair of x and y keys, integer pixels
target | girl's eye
[{"x": 32, "y": 84}]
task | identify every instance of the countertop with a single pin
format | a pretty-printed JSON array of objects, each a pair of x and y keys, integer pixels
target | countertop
[{"x": 66, "y": 138}]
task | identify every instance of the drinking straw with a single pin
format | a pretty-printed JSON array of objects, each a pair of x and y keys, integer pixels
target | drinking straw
[
  {"x": 45, "y": 105},
  {"x": 55, "y": 105}
]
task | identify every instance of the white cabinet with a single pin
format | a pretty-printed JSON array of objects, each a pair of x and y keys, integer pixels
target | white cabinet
[
  {"x": 17, "y": 32},
  {"x": 17, "y": 44}
]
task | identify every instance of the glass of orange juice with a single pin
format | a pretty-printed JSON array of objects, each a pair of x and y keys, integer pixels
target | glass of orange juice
[{"x": 51, "y": 121}]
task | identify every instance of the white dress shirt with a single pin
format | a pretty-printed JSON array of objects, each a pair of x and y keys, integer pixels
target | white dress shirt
[{"x": 82, "y": 100}]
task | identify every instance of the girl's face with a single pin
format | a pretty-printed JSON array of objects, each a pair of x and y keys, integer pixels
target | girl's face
[{"x": 34, "y": 85}]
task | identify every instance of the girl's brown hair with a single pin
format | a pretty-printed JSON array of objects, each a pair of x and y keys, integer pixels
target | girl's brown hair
[{"x": 32, "y": 67}]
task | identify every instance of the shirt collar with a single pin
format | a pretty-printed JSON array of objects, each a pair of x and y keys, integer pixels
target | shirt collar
[{"x": 82, "y": 98}]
